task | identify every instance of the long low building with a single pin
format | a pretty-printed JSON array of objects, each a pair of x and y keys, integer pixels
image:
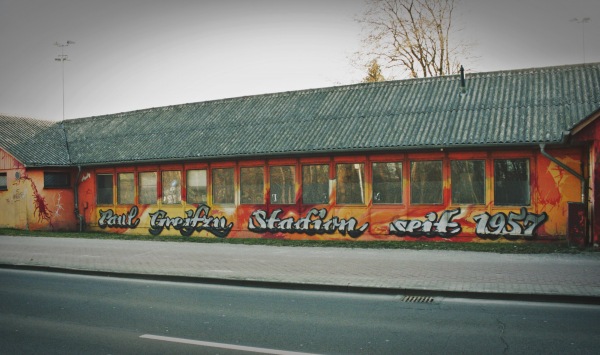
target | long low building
[{"x": 507, "y": 155}]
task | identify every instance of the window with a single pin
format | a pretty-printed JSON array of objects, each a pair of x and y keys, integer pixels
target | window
[
  {"x": 387, "y": 182},
  {"x": 426, "y": 182},
  {"x": 171, "y": 187},
  {"x": 350, "y": 183},
  {"x": 315, "y": 184},
  {"x": 125, "y": 189},
  {"x": 252, "y": 185},
  {"x": 196, "y": 186},
  {"x": 148, "y": 182},
  {"x": 223, "y": 186},
  {"x": 283, "y": 185},
  {"x": 104, "y": 189},
  {"x": 56, "y": 180},
  {"x": 3, "y": 182},
  {"x": 511, "y": 182},
  {"x": 467, "y": 180}
]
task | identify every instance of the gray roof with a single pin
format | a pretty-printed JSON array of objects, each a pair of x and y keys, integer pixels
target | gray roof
[
  {"x": 517, "y": 107},
  {"x": 34, "y": 142}
]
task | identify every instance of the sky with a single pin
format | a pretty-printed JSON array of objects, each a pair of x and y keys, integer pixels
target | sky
[{"x": 137, "y": 54}]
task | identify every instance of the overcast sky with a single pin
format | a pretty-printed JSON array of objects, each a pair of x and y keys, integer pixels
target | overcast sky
[{"x": 136, "y": 54}]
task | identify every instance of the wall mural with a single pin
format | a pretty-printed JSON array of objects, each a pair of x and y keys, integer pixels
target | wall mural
[
  {"x": 18, "y": 195},
  {"x": 259, "y": 223},
  {"x": 195, "y": 221},
  {"x": 511, "y": 226},
  {"x": 40, "y": 206},
  {"x": 431, "y": 227}
]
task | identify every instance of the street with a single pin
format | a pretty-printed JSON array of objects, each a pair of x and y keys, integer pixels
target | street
[{"x": 53, "y": 313}]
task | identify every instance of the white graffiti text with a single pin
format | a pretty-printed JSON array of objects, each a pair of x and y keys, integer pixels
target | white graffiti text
[
  {"x": 313, "y": 223},
  {"x": 513, "y": 226},
  {"x": 198, "y": 220},
  {"x": 431, "y": 227},
  {"x": 108, "y": 218}
]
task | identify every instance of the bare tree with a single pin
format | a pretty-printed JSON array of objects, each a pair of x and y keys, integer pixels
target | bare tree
[{"x": 413, "y": 35}]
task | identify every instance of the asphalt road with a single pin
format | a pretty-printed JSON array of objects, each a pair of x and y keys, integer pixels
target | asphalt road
[{"x": 48, "y": 313}]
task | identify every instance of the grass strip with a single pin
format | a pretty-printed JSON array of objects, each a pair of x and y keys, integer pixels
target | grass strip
[{"x": 500, "y": 246}]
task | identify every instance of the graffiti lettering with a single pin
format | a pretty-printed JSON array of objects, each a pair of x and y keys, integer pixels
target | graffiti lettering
[
  {"x": 198, "y": 220},
  {"x": 513, "y": 226},
  {"x": 313, "y": 223},
  {"x": 431, "y": 227},
  {"x": 58, "y": 205},
  {"x": 108, "y": 218}
]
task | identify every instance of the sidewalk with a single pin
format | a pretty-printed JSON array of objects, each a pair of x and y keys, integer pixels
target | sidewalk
[{"x": 549, "y": 277}]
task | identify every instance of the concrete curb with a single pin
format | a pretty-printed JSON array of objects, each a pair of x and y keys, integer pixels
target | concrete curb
[{"x": 501, "y": 296}]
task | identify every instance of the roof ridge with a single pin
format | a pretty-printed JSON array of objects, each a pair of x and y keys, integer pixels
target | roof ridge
[
  {"x": 343, "y": 87},
  {"x": 31, "y": 119},
  {"x": 535, "y": 69}
]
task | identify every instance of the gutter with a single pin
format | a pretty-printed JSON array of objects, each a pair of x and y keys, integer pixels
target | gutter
[
  {"x": 76, "y": 185},
  {"x": 296, "y": 153}
]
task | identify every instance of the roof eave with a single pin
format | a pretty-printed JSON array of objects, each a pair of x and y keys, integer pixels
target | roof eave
[{"x": 578, "y": 127}]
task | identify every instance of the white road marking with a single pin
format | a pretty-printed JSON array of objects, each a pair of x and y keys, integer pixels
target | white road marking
[{"x": 221, "y": 345}]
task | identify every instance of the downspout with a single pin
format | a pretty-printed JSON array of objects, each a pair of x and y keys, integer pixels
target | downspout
[
  {"x": 564, "y": 166},
  {"x": 76, "y": 185},
  {"x": 76, "y": 196}
]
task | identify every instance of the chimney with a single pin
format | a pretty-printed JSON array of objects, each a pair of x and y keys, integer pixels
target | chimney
[{"x": 463, "y": 88}]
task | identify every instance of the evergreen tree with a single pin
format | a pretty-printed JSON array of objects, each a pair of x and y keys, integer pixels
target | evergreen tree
[{"x": 374, "y": 73}]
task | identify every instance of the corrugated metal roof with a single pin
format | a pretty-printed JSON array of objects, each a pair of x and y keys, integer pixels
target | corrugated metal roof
[
  {"x": 515, "y": 107},
  {"x": 34, "y": 142}
]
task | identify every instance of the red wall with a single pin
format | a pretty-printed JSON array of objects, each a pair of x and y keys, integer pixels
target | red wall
[{"x": 544, "y": 218}]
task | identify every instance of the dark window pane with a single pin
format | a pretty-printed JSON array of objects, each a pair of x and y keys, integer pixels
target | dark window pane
[
  {"x": 56, "y": 179},
  {"x": 350, "y": 183},
  {"x": 104, "y": 188},
  {"x": 223, "y": 186},
  {"x": 468, "y": 181},
  {"x": 387, "y": 182},
  {"x": 3, "y": 182},
  {"x": 426, "y": 182},
  {"x": 252, "y": 185},
  {"x": 511, "y": 182},
  {"x": 315, "y": 184}
]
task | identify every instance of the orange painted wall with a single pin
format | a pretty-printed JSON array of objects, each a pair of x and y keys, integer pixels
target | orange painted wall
[
  {"x": 27, "y": 204},
  {"x": 544, "y": 219},
  {"x": 13, "y": 200},
  {"x": 590, "y": 135}
]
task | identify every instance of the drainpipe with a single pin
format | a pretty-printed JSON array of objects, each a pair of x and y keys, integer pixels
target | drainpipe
[
  {"x": 76, "y": 196},
  {"x": 562, "y": 165},
  {"x": 76, "y": 188}
]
